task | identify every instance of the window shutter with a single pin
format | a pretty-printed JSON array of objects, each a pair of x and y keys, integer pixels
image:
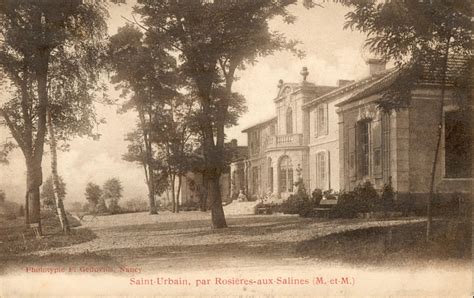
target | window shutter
[
  {"x": 326, "y": 119},
  {"x": 328, "y": 171},
  {"x": 377, "y": 148},
  {"x": 290, "y": 180},
  {"x": 352, "y": 152},
  {"x": 315, "y": 122}
]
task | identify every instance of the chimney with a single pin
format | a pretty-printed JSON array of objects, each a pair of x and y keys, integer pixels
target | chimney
[
  {"x": 376, "y": 66},
  {"x": 342, "y": 83}
]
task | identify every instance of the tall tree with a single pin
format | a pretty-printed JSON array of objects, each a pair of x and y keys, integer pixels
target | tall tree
[
  {"x": 145, "y": 74},
  {"x": 35, "y": 34},
  {"x": 56, "y": 182},
  {"x": 421, "y": 37},
  {"x": 93, "y": 194},
  {"x": 213, "y": 39},
  {"x": 174, "y": 139},
  {"x": 112, "y": 192}
]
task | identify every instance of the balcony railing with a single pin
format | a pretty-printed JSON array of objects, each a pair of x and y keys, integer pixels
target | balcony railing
[{"x": 284, "y": 140}]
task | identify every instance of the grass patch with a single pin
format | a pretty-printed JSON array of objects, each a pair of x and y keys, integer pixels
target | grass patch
[
  {"x": 16, "y": 238},
  {"x": 401, "y": 245}
]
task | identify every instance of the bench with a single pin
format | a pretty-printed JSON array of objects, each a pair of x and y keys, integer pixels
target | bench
[
  {"x": 35, "y": 227},
  {"x": 322, "y": 212},
  {"x": 325, "y": 208},
  {"x": 263, "y": 210}
]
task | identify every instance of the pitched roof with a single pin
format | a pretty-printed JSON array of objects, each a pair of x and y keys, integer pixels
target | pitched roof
[
  {"x": 352, "y": 87},
  {"x": 434, "y": 75},
  {"x": 375, "y": 86},
  {"x": 431, "y": 76}
]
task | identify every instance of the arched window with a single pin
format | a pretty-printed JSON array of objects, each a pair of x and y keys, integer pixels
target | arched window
[
  {"x": 289, "y": 121},
  {"x": 286, "y": 175}
]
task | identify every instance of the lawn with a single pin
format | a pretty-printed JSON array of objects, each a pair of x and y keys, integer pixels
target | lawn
[{"x": 186, "y": 240}]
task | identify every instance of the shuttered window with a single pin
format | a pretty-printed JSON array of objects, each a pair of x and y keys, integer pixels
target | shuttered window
[
  {"x": 363, "y": 148},
  {"x": 386, "y": 146},
  {"x": 321, "y": 120},
  {"x": 352, "y": 152},
  {"x": 376, "y": 148},
  {"x": 322, "y": 162}
]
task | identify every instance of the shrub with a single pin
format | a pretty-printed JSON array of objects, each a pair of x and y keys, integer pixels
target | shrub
[
  {"x": 366, "y": 196},
  {"x": 135, "y": 205},
  {"x": 300, "y": 203},
  {"x": 346, "y": 205},
  {"x": 114, "y": 208},
  {"x": 317, "y": 196},
  {"x": 293, "y": 204},
  {"x": 363, "y": 198},
  {"x": 387, "y": 198},
  {"x": 101, "y": 207},
  {"x": 189, "y": 206}
]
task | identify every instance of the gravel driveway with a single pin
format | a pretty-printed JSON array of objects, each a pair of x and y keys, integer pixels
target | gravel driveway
[{"x": 192, "y": 229}]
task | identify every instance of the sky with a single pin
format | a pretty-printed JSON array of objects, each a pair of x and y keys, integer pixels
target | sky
[{"x": 331, "y": 54}]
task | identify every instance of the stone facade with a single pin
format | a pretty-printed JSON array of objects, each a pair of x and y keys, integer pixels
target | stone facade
[{"x": 336, "y": 138}]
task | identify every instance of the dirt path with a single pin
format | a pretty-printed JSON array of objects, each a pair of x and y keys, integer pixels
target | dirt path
[
  {"x": 182, "y": 246},
  {"x": 139, "y": 235}
]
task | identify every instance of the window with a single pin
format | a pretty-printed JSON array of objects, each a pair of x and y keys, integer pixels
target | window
[
  {"x": 289, "y": 121},
  {"x": 290, "y": 180},
  {"x": 255, "y": 180},
  {"x": 386, "y": 146},
  {"x": 255, "y": 142},
  {"x": 270, "y": 175},
  {"x": 286, "y": 175},
  {"x": 363, "y": 148},
  {"x": 320, "y": 120},
  {"x": 458, "y": 145},
  {"x": 321, "y": 170}
]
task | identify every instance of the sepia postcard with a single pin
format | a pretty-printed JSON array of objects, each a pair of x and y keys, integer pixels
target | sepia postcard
[{"x": 236, "y": 148}]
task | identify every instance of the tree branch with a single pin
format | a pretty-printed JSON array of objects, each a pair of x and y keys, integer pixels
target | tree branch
[{"x": 13, "y": 129}]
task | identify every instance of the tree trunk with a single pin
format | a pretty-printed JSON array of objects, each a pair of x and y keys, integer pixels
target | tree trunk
[
  {"x": 35, "y": 157},
  {"x": 179, "y": 191},
  {"x": 33, "y": 182},
  {"x": 151, "y": 199},
  {"x": 217, "y": 212},
  {"x": 54, "y": 172},
  {"x": 429, "y": 210},
  {"x": 151, "y": 189},
  {"x": 150, "y": 176},
  {"x": 204, "y": 193},
  {"x": 173, "y": 195}
]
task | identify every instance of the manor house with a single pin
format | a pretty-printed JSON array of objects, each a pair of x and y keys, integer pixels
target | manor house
[{"x": 335, "y": 137}]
